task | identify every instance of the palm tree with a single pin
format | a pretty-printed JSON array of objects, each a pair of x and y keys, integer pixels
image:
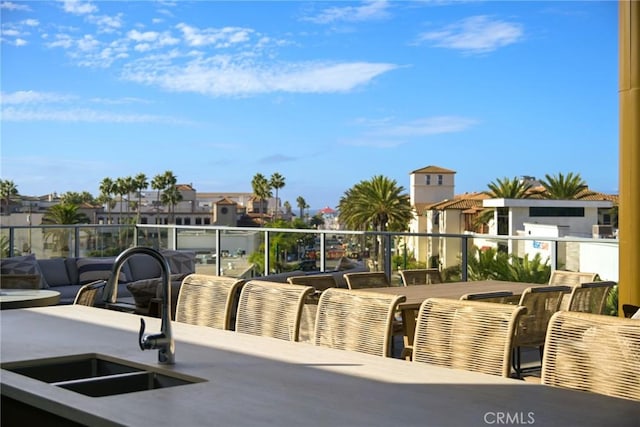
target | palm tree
[
  {"x": 8, "y": 189},
  {"x": 170, "y": 197},
  {"x": 107, "y": 188},
  {"x": 378, "y": 204},
  {"x": 276, "y": 182},
  {"x": 140, "y": 183},
  {"x": 503, "y": 188},
  {"x": 302, "y": 204},
  {"x": 261, "y": 189},
  {"x": 161, "y": 183},
  {"x": 130, "y": 187},
  {"x": 119, "y": 187},
  {"x": 64, "y": 213},
  {"x": 569, "y": 187}
]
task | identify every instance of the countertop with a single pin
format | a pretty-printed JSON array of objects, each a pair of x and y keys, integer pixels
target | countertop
[{"x": 260, "y": 381}]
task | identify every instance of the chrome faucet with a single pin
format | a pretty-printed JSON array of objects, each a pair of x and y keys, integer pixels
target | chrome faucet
[{"x": 162, "y": 341}]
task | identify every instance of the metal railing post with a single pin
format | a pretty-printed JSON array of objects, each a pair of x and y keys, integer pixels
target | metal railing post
[
  {"x": 218, "y": 253},
  {"x": 267, "y": 258},
  {"x": 464, "y": 268}
]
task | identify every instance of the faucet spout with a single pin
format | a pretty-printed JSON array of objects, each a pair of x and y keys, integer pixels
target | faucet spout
[{"x": 162, "y": 341}]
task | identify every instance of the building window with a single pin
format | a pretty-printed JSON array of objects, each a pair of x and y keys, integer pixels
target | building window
[
  {"x": 178, "y": 221},
  {"x": 439, "y": 179},
  {"x": 198, "y": 221},
  {"x": 555, "y": 212},
  {"x": 207, "y": 221},
  {"x": 427, "y": 179},
  {"x": 187, "y": 221},
  {"x": 224, "y": 210},
  {"x": 503, "y": 221}
]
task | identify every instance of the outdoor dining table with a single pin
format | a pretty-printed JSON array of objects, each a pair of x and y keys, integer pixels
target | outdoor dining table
[
  {"x": 22, "y": 298},
  {"x": 416, "y": 294}
]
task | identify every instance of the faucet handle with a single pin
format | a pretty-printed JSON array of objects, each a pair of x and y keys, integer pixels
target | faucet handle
[{"x": 141, "y": 341}]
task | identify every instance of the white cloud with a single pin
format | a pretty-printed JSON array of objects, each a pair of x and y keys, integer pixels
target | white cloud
[
  {"x": 385, "y": 133},
  {"x": 8, "y": 5},
  {"x": 223, "y": 75},
  {"x": 31, "y": 22},
  {"x": 20, "y": 42},
  {"x": 369, "y": 10},
  {"x": 477, "y": 34},
  {"x": 32, "y": 97},
  {"x": 78, "y": 7},
  {"x": 82, "y": 115},
  {"x": 106, "y": 23},
  {"x": 427, "y": 126},
  {"x": 223, "y": 37},
  {"x": 147, "y": 36}
]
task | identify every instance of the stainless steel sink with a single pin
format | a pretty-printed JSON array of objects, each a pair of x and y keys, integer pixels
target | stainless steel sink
[{"x": 98, "y": 375}]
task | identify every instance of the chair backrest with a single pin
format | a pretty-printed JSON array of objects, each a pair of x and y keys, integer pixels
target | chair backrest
[
  {"x": 207, "y": 300},
  {"x": 421, "y": 276},
  {"x": 497, "y": 296},
  {"x": 356, "y": 320},
  {"x": 271, "y": 309},
  {"x": 87, "y": 294},
  {"x": 571, "y": 278},
  {"x": 590, "y": 297},
  {"x": 367, "y": 279},
  {"x": 541, "y": 303},
  {"x": 320, "y": 282},
  {"x": 593, "y": 352},
  {"x": 470, "y": 335}
]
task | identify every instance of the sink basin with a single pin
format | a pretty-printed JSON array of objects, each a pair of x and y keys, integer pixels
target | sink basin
[
  {"x": 68, "y": 368},
  {"x": 98, "y": 375}
]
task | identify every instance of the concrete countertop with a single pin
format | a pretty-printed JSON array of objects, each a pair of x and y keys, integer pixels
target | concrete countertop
[{"x": 259, "y": 381}]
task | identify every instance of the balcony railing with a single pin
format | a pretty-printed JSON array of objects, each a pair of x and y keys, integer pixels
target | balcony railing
[{"x": 224, "y": 250}]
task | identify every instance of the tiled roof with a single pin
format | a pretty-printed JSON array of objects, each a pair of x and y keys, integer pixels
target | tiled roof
[
  {"x": 433, "y": 169},
  {"x": 461, "y": 201}
]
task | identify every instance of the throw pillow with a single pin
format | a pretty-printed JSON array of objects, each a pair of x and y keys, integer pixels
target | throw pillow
[
  {"x": 143, "y": 291},
  {"x": 92, "y": 269},
  {"x": 25, "y": 264},
  {"x": 180, "y": 262}
]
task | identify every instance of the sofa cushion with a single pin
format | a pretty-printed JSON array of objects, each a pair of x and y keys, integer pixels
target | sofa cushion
[
  {"x": 25, "y": 264},
  {"x": 180, "y": 262},
  {"x": 55, "y": 272},
  {"x": 143, "y": 267},
  {"x": 92, "y": 269},
  {"x": 143, "y": 291}
]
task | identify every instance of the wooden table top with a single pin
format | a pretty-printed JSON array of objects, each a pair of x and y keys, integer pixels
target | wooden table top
[
  {"x": 22, "y": 298},
  {"x": 418, "y": 293}
]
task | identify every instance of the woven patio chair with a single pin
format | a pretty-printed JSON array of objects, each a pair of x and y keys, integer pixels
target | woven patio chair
[
  {"x": 594, "y": 353},
  {"x": 570, "y": 278},
  {"x": 88, "y": 294},
  {"x": 471, "y": 335},
  {"x": 422, "y": 276},
  {"x": 501, "y": 297},
  {"x": 320, "y": 283},
  {"x": 271, "y": 309},
  {"x": 367, "y": 279},
  {"x": 207, "y": 300},
  {"x": 590, "y": 297},
  {"x": 541, "y": 303},
  {"x": 356, "y": 321}
]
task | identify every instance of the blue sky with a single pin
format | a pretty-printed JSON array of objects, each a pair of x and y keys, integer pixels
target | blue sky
[{"x": 325, "y": 93}]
